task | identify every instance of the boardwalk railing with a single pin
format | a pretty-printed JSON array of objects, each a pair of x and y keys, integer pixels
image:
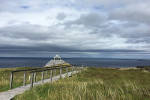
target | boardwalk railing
[{"x": 33, "y": 73}]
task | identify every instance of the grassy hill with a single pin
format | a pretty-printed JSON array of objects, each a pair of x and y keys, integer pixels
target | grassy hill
[{"x": 95, "y": 84}]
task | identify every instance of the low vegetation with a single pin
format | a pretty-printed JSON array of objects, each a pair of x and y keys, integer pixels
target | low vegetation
[
  {"x": 144, "y": 68},
  {"x": 95, "y": 84},
  {"x": 5, "y": 77}
]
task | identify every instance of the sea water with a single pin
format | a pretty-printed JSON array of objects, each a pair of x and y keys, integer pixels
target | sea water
[{"x": 92, "y": 62}]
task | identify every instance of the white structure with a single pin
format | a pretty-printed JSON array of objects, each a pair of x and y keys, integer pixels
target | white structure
[
  {"x": 57, "y": 57},
  {"x": 55, "y": 61}
]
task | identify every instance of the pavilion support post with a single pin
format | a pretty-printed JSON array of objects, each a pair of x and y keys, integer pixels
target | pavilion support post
[
  {"x": 11, "y": 80},
  {"x": 75, "y": 68},
  {"x": 51, "y": 76},
  {"x": 24, "y": 79},
  {"x": 32, "y": 76}
]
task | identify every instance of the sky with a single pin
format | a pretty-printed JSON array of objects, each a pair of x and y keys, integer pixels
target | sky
[{"x": 75, "y": 28}]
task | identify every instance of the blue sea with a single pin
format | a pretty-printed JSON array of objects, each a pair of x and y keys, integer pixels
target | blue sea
[{"x": 7, "y": 62}]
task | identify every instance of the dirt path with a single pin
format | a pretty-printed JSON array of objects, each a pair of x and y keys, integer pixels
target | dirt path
[{"x": 8, "y": 95}]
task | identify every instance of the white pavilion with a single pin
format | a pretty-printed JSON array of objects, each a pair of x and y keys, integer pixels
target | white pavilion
[{"x": 55, "y": 61}]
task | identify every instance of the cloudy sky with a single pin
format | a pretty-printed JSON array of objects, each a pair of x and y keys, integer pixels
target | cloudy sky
[{"x": 75, "y": 28}]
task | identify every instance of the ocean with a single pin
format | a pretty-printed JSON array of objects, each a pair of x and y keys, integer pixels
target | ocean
[{"x": 7, "y": 62}]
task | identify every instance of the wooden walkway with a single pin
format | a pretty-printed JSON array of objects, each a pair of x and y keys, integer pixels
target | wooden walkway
[{"x": 8, "y": 95}]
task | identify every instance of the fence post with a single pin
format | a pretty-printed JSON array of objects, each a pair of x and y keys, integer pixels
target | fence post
[
  {"x": 11, "y": 80},
  {"x": 81, "y": 69},
  {"x": 67, "y": 71},
  {"x": 35, "y": 77},
  {"x": 51, "y": 76},
  {"x": 60, "y": 72},
  {"x": 32, "y": 80},
  {"x": 55, "y": 72},
  {"x": 24, "y": 79},
  {"x": 71, "y": 70},
  {"x": 42, "y": 76}
]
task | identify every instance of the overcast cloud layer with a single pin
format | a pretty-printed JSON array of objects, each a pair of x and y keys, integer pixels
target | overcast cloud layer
[{"x": 75, "y": 28}]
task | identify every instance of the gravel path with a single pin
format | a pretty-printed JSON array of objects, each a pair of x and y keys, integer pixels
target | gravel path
[{"x": 8, "y": 95}]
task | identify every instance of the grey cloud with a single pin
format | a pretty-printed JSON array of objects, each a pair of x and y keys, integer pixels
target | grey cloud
[
  {"x": 137, "y": 12},
  {"x": 54, "y": 48},
  {"x": 96, "y": 22},
  {"x": 139, "y": 40},
  {"x": 133, "y": 32},
  {"x": 23, "y": 31},
  {"x": 91, "y": 19},
  {"x": 38, "y": 48},
  {"x": 138, "y": 31},
  {"x": 61, "y": 16}
]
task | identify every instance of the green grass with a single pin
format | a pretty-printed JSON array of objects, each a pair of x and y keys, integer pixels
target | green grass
[
  {"x": 18, "y": 77},
  {"x": 95, "y": 84},
  {"x": 5, "y": 77}
]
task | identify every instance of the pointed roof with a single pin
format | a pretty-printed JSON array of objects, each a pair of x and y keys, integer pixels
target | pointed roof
[{"x": 57, "y": 56}]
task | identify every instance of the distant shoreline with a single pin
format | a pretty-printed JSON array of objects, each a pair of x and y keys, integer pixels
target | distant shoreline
[{"x": 120, "y": 68}]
